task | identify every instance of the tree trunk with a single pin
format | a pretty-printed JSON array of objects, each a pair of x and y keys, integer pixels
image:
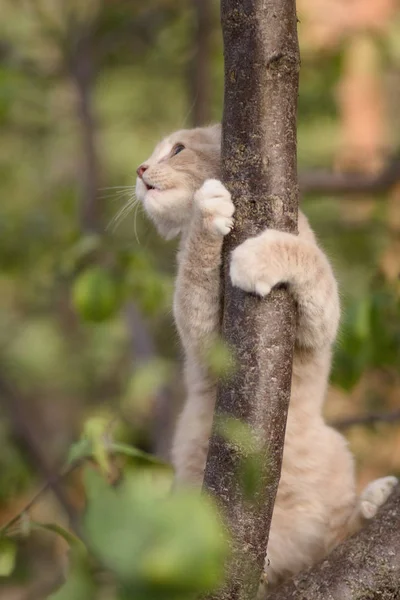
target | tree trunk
[
  {"x": 259, "y": 168},
  {"x": 365, "y": 567}
]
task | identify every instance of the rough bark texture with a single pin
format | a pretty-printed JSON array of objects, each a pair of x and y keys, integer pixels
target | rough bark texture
[
  {"x": 259, "y": 168},
  {"x": 365, "y": 567}
]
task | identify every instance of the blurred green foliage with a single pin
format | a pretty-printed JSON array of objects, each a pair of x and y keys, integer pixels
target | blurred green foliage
[
  {"x": 151, "y": 543},
  {"x": 112, "y": 77}
]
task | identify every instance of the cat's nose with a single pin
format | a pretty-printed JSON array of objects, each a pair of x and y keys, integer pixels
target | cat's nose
[{"x": 140, "y": 170}]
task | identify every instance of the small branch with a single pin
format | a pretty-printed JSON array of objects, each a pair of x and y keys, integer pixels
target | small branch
[
  {"x": 364, "y": 567},
  {"x": 47, "y": 486},
  {"x": 81, "y": 70},
  {"x": 370, "y": 419},
  {"x": 325, "y": 182},
  {"x": 21, "y": 425}
]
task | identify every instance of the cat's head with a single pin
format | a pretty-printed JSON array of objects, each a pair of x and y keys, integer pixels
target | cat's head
[{"x": 179, "y": 165}]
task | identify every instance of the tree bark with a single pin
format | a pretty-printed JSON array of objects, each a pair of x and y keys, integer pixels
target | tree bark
[
  {"x": 259, "y": 168},
  {"x": 365, "y": 567}
]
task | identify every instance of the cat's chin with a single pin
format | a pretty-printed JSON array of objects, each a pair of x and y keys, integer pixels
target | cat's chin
[{"x": 169, "y": 210}]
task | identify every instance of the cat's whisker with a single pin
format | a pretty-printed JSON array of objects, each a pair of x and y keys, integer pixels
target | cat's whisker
[
  {"x": 115, "y": 196},
  {"x": 117, "y": 217},
  {"x": 121, "y": 214},
  {"x": 117, "y": 187},
  {"x": 135, "y": 222},
  {"x": 189, "y": 111},
  {"x": 117, "y": 192}
]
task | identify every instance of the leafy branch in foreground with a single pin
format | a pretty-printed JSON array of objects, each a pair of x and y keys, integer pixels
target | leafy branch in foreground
[{"x": 148, "y": 543}]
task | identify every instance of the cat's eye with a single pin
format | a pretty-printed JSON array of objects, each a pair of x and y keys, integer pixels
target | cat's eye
[{"x": 176, "y": 149}]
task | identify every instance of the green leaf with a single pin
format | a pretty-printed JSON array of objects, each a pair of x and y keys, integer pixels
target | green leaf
[
  {"x": 238, "y": 434},
  {"x": 96, "y": 295},
  {"x": 251, "y": 475},
  {"x": 72, "y": 540},
  {"x": 8, "y": 552},
  {"x": 253, "y": 459},
  {"x": 220, "y": 359},
  {"x": 84, "y": 449},
  {"x": 82, "y": 250},
  {"x": 95, "y": 431},
  {"x": 152, "y": 290},
  {"x": 144, "y": 384},
  {"x": 79, "y": 451},
  {"x": 125, "y": 449},
  {"x": 79, "y": 584},
  {"x": 150, "y": 540}
]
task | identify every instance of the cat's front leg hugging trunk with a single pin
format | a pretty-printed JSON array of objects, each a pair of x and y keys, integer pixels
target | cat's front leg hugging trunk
[
  {"x": 316, "y": 505},
  {"x": 196, "y": 310}
]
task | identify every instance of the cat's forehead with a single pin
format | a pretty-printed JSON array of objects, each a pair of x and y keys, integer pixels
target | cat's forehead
[
  {"x": 191, "y": 138},
  {"x": 187, "y": 137},
  {"x": 162, "y": 149}
]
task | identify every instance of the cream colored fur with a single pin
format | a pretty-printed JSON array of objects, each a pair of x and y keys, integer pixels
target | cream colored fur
[{"x": 316, "y": 505}]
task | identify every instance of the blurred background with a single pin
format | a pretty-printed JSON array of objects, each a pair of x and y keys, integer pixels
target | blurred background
[{"x": 87, "y": 87}]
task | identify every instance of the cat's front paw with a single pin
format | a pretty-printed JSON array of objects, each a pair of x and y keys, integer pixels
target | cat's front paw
[
  {"x": 257, "y": 265},
  {"x": 213, "y": 201},
  {"x": 375, "y": 494}
]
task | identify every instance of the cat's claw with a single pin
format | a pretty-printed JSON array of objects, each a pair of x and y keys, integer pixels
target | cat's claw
[
  {"x": 375, "y": 495},
  {"x": 214, "y": 203}
]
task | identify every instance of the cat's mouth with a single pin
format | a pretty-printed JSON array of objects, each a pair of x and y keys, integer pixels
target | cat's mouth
[{"x": 150, "y": 187}]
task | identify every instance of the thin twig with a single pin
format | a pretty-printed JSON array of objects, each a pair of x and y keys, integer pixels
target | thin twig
[
  {"x": 325, "y": 182},
  {"x": 13, "y": 406},
  {"x": 369, "y": 419},
  {"x": 48, "y": 485},
  {"x": 82, "y": 72}
]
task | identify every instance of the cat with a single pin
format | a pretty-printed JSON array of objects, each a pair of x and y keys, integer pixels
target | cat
[{"x": 316, "y": 504}]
